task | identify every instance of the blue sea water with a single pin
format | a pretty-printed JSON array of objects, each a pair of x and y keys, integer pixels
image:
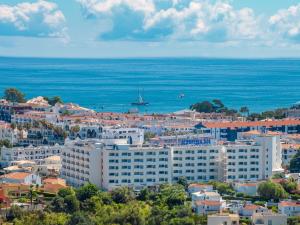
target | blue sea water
[{"x": 112, "y": 84}]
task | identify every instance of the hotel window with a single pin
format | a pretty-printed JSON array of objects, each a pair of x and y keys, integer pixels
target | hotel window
[
  {"x": 151, "y": 166},
  {"x": 138, "y": 166},
  {"x": 151, "y": 160},
  {"x": 163, "y": 159},
  {"x": 150, "y": 173},
  {"x": 163, "y": 166},
  {"x": 163, "y": 153},
  {"x": 138, "y": 153},
  {"x": 151, "y": 153},
  {"x": 163, "y": 172},
  {"x": 150, "y": 180},
  {"x": 138, "y": 160}
]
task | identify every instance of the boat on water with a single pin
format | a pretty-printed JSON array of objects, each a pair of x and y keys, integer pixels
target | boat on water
[
  {"x": 140, "y": 101},
  {"x": 182, "y": 95}
]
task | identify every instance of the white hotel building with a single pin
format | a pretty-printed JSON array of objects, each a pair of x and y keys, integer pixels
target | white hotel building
[
  {"x": 36, "y": 154},
  {"x": 113, "y": 163}
]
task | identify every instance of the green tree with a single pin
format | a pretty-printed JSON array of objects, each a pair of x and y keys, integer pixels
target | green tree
[
  {"x": 65, "y": 201},
  {"x": 172, "y": 195},
  {"x": 148, "y": 136},
  {"x": 52, "y": 101},
  {"x": 218, "y": 104},
  {"x": 32, "y": 195},
  {"x": 295, "y": 163},
  {"x": 269, "y": 190},
  {"x": 295, "y": 220},
  {"x": 6, "y": 143},
  {"x": 87, "y": 191},
  {"x": 203, "y": 107},
  {"x": 14, "y": 95},
  {"x": 14, "y": 212},
  {"x": 183, "y": 181},
  {"x": 244, "y": 110},
  {"x": 122, "y": 195},
  {"x": 75, "y": 129},
  {"x": 80, "y": 218}
]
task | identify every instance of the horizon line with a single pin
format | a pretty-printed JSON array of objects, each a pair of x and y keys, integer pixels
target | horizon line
[{"x": 151, "y": 57}]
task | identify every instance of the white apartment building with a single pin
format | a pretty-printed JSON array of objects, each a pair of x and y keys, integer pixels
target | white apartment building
[
  {"x": 29, "y": 153},
  {"x": 111, "y": 163},
  {"x": 198, "y": 163},
  {"x": 133, "y": 166},
  {"x": 133, "y": 135},
  {"x": 81, "y": 162},
  {"x": 288, "y": 152},
  {"x": 252, "y": 161}
]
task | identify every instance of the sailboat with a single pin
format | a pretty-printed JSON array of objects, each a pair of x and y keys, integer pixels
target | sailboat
[{"x": 140, "y": 101}]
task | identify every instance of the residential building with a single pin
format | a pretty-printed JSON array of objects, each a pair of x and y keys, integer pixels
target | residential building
[
  {"x": 289, "y": 208},
  {"x": 135, "y": 166},
  {"x": 249, "y": 209},
  {"x": 21, "y": 178},
  {"x": 28, "y": 153},
  {"x": 269, "y": 218},
  {"x": 249, "y": 188},
  {"x": 288, "y": 152},
  {"x": 199, "y": 187},
  {"x": 81, "y": 162},
  {"x": 203, "y": 207},
  {"x": 49, "y": 166},
  {"x": 223, "y": 219},
  {"x": 233, "y": 130},
  {"x": 252, "y": 161},
  {"x": 116, "y": 163}
]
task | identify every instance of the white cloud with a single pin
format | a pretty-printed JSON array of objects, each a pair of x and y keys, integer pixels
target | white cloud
[
  {"x": 41, "y": 18},
  {"x": 174, "y": 19},
  {"x": 286, "y": 23}
]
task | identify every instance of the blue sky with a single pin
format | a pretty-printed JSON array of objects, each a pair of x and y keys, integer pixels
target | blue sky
[{"x": 150, "y": 28}]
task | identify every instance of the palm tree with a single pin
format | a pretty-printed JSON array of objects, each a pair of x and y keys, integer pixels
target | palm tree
[
  {"x": 32, "y": 195},
  {"x": 244, "y": 110}
]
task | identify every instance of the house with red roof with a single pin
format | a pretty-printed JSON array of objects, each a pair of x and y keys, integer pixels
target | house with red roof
[
  {"x": 21, "y": 178},
  {"x": 289, "y": 208},
  {"x": 249, "y": 209},
  {"x": 232, "y": 130}
]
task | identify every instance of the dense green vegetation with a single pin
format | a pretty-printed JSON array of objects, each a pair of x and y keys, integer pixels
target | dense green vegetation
[
  {"x": 6, "y": 143},
  {"x": 295, "y": 163},
  {"x": 14, "y": 95},
  {"x": 88, "y": 206},
  {"x": 277, "y": 114},
  {"x": 52, "y": 101},
  {"x": 216, "y": 106},
  {"x": 271, "y": 191}
]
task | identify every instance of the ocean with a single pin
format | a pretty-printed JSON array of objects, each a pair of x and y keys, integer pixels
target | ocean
[{"x": 113, "y": 84}]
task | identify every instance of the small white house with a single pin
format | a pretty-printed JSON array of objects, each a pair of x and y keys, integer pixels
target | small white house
[
  {"x": 269, "y": 218},
  {"x": 21, "y": 178},
  {"x": 199, "y": 187},
  {"x": 205, "y": 202},
  {"x": 246, "y": 188},
  {"x": 249, "y": 209},
  {"x": 229, "y": 219},
  {"x": 203, "y": 207},
  {"x": 289, "y": 208}
]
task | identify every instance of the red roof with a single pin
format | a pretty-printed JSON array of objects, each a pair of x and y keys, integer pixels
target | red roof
[
  {"x": 251, "y": 207},
  {"x": 208, "y": 202},
  {"x": 267, "y": 123},
  {"x": 287, "y": 203},
  {"x": 16, "y": 175}
]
